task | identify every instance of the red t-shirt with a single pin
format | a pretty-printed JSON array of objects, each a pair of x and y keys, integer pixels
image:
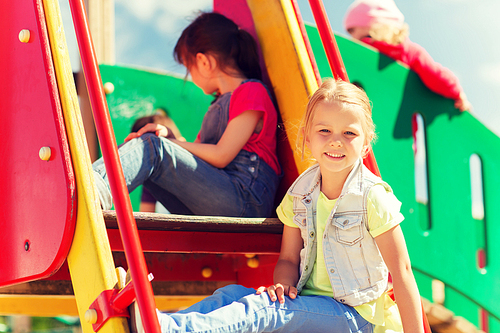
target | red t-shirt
[
  {"x": 436, "y": 77},
  {"x": 254, "y": 96}
]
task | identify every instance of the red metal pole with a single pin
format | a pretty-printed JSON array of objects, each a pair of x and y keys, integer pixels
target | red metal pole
[
  {"x": 126, "y": 221},
  {"x": 328, "y": 40},
  {"x": 335, "y": 60},
  {"x": 306, "y": 41}
]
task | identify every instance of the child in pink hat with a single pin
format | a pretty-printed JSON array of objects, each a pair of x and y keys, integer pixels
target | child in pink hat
[{"x": 380, "y": 24}]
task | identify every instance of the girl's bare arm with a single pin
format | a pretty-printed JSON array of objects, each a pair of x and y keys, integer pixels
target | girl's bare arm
[
  {"x": 286, "y": 272},
  {"x": 392, "y": 246},
  {"x": 236, "y": 135}
]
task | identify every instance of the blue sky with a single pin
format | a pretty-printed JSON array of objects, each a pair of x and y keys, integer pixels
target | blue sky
[{"x": 459, "y": 34}]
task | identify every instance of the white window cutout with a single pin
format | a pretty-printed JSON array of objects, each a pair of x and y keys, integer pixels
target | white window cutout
[
  {"x": 476, "y": 184},
  {"x": 420, "y": 155}
]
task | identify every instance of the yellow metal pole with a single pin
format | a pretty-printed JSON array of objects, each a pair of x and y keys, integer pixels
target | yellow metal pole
[
  {"x": 287, "y": 62},
  {"x": 57, "y": 305},
  {"x": 90, "y": 260}
]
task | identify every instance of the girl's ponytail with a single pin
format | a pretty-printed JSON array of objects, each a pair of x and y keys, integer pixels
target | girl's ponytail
[{"x": 246, "y": 57}]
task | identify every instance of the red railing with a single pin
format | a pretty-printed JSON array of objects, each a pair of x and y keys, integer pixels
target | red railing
[{"x": 126, "y": 221}]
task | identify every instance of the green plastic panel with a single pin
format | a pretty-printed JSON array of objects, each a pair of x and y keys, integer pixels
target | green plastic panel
[
  {"x": 494, "y": 325},
  {"x": 457, "y": 303},
  {"x": 447, "y": 250},
  {"x": 138, "y": 93}
]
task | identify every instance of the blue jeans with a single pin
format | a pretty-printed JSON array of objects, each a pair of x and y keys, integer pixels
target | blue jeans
[
  {"x": 185, "y": 184},
  {"x": 235, "y": 308}
]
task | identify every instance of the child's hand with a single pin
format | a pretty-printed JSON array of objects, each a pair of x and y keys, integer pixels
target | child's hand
[
  {"x": 131, "y": 136},
  {"x": 278, "y": 292},
  {"x": 158, "y": 129},
  {"x": 462, "y": 103}
]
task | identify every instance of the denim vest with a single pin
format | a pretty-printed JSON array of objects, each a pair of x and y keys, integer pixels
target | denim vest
[{"x": 354, "y": 264}]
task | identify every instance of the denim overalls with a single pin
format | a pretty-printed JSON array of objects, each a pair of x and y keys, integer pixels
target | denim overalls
[{"x": 185, "y": 184}]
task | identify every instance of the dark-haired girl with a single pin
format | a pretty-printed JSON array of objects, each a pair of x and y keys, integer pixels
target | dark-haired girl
[{"x": 231, "y": 169}]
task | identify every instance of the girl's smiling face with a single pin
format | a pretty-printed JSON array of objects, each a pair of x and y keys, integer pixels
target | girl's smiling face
[{"x": 336, "y": 137}]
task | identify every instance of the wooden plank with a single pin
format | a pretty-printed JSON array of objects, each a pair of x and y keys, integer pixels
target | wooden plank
[
  {"x": 200, "y": 234},
  {"x": 443, "y": 320},
  {"x": 40, "y": 287},
  {"x": 170, "y": 222}
]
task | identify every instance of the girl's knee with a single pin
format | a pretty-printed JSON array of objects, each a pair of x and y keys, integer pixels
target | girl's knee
[{"x": 235, "y": 290}]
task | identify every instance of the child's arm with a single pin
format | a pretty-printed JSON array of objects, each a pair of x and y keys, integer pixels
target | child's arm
[
  {"x": 236, "y": 135},
  {"x": 158, "y": 129},
  {"x": 286, "y": 272},
  {"x": 462, "y": 103},
  {"x": 392, "y": 246}
]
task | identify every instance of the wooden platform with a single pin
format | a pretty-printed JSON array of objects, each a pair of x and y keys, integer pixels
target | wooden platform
[
  {"x": 171, "y": 222},
  {"x": 201, "y": 234},
  {"x": 223, "y": 244},
  {"x": 189, "y": 256}
]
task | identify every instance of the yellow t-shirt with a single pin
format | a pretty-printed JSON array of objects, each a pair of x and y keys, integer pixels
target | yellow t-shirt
[{"x": 383, "y": 214}]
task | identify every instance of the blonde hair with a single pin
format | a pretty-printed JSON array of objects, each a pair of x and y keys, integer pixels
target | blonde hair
[
  {"x": 348, "y": 96},
  {"x": 389, "y": 33}
]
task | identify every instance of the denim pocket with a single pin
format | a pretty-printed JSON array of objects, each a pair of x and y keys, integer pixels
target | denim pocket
[
  {"x": 348, "y": 229},
  {"x": 300, "y": 220}
]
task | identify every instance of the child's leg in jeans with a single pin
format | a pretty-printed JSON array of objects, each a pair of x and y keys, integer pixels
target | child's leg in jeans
[
  {"x": 176, "y": 171},
  {"x": 238, "y": 309}
]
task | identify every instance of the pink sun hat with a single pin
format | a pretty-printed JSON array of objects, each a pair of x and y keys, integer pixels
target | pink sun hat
[{"x": 364, "y": 13}]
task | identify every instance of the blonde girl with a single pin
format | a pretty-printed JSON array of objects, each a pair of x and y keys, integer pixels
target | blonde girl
[{"x": 341, "y": 236}]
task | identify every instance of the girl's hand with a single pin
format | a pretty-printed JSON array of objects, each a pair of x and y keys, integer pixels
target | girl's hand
[
  {"x": 278, "y": 292},
  {"x": 158, "y": 129},
  {"x": 462, "y": 103}
]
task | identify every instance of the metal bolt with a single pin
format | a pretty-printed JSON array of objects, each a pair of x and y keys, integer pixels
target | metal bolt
[
  {"x": 91, "y": 316},
  {"x": 24, "y": 36},
  {"x": 45, "y": 153},
  {"x": 253, "y": 262},
  {"x": 206, "y": 272},
  {"x": 109, "y": 88}
]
